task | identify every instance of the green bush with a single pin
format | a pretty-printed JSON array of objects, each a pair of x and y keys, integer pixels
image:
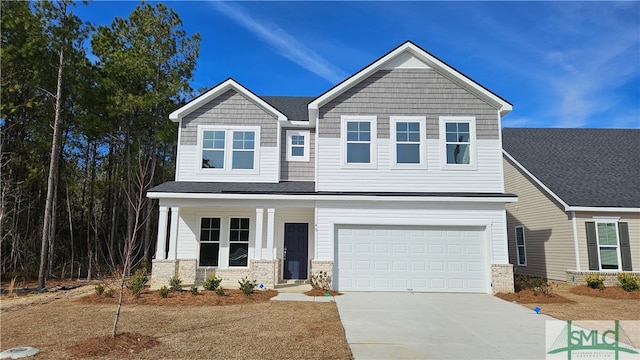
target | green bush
[
  {"x": 109, "y": 293},
  {"x": 247, "y": 286},
  {"x": 137, "y": 282},
  {"x": 164, "y": 292},
  {"x": 628, "y": 282},
  {"x": 595, "y": 281},
  {"x": 193, "y": 290},
  {"x": 99, "y": 289},
  {"x": 175, "y": 284},
  {"x": 220, "y": 291},
  {"x": 212, "y": 282},
  {"x": 320, "y": 281},
  {"x": 536, "y": 284}
]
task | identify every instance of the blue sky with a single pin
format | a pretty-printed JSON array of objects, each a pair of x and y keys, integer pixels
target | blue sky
[{"x": 561, "y": 64}]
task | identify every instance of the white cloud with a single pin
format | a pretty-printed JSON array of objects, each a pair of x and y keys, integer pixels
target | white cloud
[{"x": 283, "y": 43}]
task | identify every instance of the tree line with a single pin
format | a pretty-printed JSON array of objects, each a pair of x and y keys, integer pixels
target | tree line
[{"x": 84, "y": 134}]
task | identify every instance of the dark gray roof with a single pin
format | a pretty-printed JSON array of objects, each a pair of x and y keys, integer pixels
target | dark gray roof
[
  {"x": 288, "y": 188},
  {"x": 294, "y": 107},
  {"x": 584, "y": 167}
]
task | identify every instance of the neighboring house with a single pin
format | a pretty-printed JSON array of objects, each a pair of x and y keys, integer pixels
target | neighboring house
[
  {"x": 578, "y": 207},
  {"x": 390, "y": 181}
]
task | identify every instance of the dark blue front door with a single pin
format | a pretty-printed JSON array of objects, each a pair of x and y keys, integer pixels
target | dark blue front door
[{"x": 296, "y": 249}]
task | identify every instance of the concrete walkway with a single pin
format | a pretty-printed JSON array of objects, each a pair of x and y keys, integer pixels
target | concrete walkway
[{"x": 439, "y": 326}]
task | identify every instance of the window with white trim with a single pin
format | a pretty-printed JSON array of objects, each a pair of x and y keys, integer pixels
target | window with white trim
[
  {"x": 238, "y": 241},
  {"x": 408, "y": 140},
  {"x": 608, "y": 245},
  {"x": 209, "y": 241},
  {"x": 224, "y": 149},
  {"x": 359, "y": 140},
  {"x": 457, "y": 137},
  {"x": 298, "y": 145},
  {"x": 520, "y": 246}
]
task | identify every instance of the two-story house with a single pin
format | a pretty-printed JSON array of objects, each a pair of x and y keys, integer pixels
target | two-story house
[{"x": 391, "y": 180}]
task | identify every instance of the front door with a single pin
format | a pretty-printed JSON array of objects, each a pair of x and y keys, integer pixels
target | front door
[{"x": 296, "y": 250}]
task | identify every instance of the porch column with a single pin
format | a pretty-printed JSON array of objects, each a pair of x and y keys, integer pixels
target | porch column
[
  {"x": 270, "y": 232},
  {"x": 257, "y": 252},
  {"x": 161, "y": 244},
  {"x": 173, "y": 233}
]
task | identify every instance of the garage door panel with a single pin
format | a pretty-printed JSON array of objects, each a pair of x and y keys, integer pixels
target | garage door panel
[{"x": 380, "y": 258}]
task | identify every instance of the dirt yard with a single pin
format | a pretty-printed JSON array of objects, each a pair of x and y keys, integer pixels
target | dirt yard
[{"x": 74, "y": 323}]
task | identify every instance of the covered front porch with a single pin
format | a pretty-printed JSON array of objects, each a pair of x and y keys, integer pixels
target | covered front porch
[{"x": 271, "y": 242}]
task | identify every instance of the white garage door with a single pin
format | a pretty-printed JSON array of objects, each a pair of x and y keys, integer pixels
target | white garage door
[{"x": 401, "y": 258}]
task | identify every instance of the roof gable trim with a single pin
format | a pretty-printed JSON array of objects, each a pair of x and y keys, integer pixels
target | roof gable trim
[{"x": 218, "y": 90}]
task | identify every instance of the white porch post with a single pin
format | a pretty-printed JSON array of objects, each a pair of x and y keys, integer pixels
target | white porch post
[
  {"x": 173, "y": 233},
  {"x": 161, "y": 244},
  {"x": 270, "y": 232},
  {"x": 257, "y": 252}
]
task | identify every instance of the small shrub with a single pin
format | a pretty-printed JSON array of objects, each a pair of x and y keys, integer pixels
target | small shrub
[
  {"x": 137, "y": 282},
  {"x": 164, "y": 292},
  {"x": 175, "y": 284},
  {"x": 320, "y": 281},
  {"x": 99, "y": 289},
  {"x": 220, "y": 291},
  {"x": 193, "y": 290},
  {"x": 628, "y": 282},
  {"x": 247, "y": 286},
  {"x": 595, "y": 281},
  {"x": 212, "y": 282},
  {"x": 109, "y": 293}
]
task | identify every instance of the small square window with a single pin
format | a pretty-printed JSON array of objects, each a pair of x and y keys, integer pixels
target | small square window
[{"x": 298, "y": 145}]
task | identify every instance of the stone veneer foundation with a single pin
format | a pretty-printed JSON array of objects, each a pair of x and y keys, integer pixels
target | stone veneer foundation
[
  {"x": 502, "y": 278},
  {"x": 576, "y": 278}
]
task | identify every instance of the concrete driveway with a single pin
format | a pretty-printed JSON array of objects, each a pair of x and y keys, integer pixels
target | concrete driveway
[{"x": 439, "y": 326}]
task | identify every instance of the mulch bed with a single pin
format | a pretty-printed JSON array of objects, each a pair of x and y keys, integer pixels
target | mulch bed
[
  {"x": 611, "y": 292},
  {"x": 320, "y": 292},
  {"x": 124, "y": 344},
  {"x": 528, "y": 296},
  {"x": 184, "y": 298}
]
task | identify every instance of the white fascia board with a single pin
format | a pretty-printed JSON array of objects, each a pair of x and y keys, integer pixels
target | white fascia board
[
  {"x": 535, "y": 179},
  {"x": 297, "y": 124},
  {"x": 503, "y": 106},
  {"x": 321, "y": 197},
  {"x": 603, "y": 209},
  {"x": 223, "y": 87}
]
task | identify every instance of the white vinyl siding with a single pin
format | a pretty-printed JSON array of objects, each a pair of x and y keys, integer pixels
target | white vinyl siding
[{"x": 387, "y": 176}]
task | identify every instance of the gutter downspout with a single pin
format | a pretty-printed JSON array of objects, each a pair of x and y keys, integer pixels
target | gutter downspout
[{"x": 575, "y": 240}]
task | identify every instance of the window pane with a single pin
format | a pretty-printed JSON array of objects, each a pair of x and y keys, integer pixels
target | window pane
[
  {"x": 609, "y": 258},
  {"x": 297, "y": 151},
  {"x": 607, "y": 234},
  {"x": 242, "y": 160},
  {"x": 452, "y": 127},
  {"x": 414, "y": 127},
  {"x": 414, "y": 136},
  {"x": 205, "y": 223},
  {"x": 235, "y": 223},
  {"x": 244, "y": 223},
  {"x": 209, "y": 254},
  {"x": 452, "y": 137},
  {"x": 352, "y": 126},
  {"x": 401, "y": 126},
  {"x": 463, "y": 127},
  {"x": 408, "y": 153},
  {"x": 213, "y": 159},
  {"x": 358, "y": 153},
  {"x": 519, "y": 236},
  {"x": 457, "y": 154},
  {"x": 238, "y": 254},
  {"x": 521, "y": 255},
  {"x": 297, "y": 140}
]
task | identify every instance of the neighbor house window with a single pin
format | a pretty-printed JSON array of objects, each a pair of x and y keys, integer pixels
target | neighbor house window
[
  {"x": 521, "y": 250},
  {"x": 238, "y": 241},
  {"x": 457, "y": 135},
  {"x": 607, "y": 235},
  {"x": 298, "y": 145},
  {"x": 408, "y": 140},
  {"x": 359, "y": 134},
  {"x": 221, "y": 146},
  {"x": 209, "y": 241}
]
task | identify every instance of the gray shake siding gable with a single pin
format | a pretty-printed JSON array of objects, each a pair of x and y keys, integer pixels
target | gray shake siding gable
[
  {"x": 422, "y": 92},
  {"x": 230, "y": 108}
]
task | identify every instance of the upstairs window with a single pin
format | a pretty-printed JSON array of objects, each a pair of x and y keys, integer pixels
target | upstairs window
[
  {"x": 457, "y": 135},
  {"x": 223, "y": 149},
  {"x": 298, "y": 145},
  {"x": 359, "y": 135},
  {"x": 408, "y": 140}
]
